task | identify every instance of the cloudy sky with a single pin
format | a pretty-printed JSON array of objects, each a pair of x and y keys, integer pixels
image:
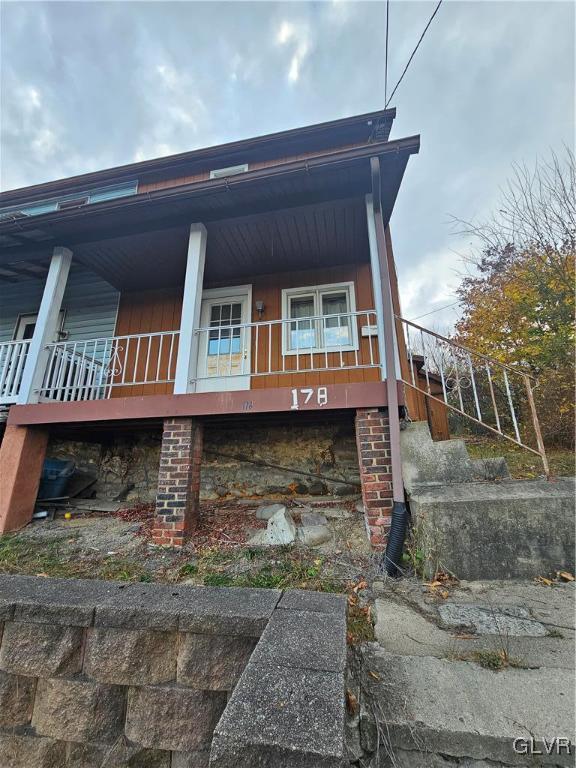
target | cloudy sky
[{"x": 87, "y": 85}]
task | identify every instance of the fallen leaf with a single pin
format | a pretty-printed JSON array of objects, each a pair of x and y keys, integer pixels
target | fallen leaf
[
  {"x": 44, "y": 575},
  {"x": 565, "y": 576},
  {"x": 544, "y": 580},
  {"x": 374, "y": 675},
  {"x": 444, "y": 593},
  {"x": 351, "y": 702}
]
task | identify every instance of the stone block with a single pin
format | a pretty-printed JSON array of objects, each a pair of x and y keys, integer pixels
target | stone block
[
  {"x": 6, "y": 610},
  {"x": 314, "y": 535},
  {"x": 318, "y": 602},
  {"x": 79, "y": 710},
  {"x": 68, "y": 602},
  {"x": 143, "y": 606},
  {"x": 286, "y": 718},
  {"x": 212, "y": 662},
  {"x": 303, "y": 640},
  {"x": 266, "y": 511},
  {"x": 41, "y": 650},
  {"x": 123, "y": 754},
  {"x": 228, "y": 611},
  {"x": 22, "y": 751},
  {"x": 279, "y": 531},
  {"x": 168, "y": 717},
  {"x": 130, "y": 657},
  {"x": 199, "y": 758},
  {"x": 16, "y": 699}
]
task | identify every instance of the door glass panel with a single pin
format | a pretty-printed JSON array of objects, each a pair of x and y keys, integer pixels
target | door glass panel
[
  {"x": 302, "y": 331},
  {"x": 337, "y": 330},
  {"x": 225, "y": 354}
]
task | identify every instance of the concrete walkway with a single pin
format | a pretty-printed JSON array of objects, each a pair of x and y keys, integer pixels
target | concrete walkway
[{"x": 454, "y": 680}]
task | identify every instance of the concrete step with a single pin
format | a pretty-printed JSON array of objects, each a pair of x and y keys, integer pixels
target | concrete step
[
  {"x": 434, "y": 712},
  {"x": 427, "y": 463},
  {"x": 496, "y": 530}
]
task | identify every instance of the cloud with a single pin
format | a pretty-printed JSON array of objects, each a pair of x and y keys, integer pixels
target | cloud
[{"x": 297, "y": 37}]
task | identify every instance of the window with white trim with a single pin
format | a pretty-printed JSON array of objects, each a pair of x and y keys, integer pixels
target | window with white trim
[{"x": 321, "y": 319}]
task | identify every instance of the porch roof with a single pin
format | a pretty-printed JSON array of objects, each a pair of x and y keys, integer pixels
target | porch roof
[{"x": 316, "y": 201}]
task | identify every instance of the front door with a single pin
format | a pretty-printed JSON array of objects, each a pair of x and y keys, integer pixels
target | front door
[{"x": 224, "y": 344}]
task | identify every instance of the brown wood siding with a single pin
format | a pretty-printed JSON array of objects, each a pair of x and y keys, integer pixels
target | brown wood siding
[
  {"x": 269, "y": 290},
  {"x": 152, "y": 186},
  {"x": 147, "y": 312},
  {"x": 150, "y": 311}
]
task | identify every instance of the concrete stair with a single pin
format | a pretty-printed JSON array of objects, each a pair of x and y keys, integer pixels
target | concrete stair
[{"x": 471, "y": 519}]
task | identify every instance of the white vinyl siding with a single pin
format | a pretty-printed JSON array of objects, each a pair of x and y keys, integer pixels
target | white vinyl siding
[{"x": 90, "y": 305}]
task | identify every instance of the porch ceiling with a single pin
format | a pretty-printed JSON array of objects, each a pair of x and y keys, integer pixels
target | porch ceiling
[
  {"x": 294, "y": 239},
  {"x": 294, "y": 216}
]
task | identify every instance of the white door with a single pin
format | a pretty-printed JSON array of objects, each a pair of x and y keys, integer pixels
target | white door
[{"x": 224, "y": 344}]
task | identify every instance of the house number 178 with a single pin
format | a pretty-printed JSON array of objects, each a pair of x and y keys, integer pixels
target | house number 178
[{"x": 308, "y": 394}]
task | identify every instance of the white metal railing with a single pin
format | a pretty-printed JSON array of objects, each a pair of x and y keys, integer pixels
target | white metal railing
[
  {"x": 491, "y": 394},
  {"x": 12, "y": 358},
  {"x": 319, "y": 343},
  {"x": 91, "y": 369}
]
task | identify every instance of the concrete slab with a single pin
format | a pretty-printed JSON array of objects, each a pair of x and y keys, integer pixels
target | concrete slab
[
  {"x": 489, "y": 620},
  {"x": 404, "y": 630},
  {"x": 512, "y": 529},
  {"x": 459, "y": 710}
]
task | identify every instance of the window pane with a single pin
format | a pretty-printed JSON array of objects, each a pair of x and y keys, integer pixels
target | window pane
[
  {"x": 302, "y": 307},
  {"x": 334, "y": 304},
  {"x": 337, "y": 330},
  {"x": 302, "y": 332}
]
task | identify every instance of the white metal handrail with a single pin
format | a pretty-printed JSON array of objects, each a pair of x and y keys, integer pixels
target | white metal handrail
[
  {"x": 496, "y": 396},
  {"x": 297, "y": 345},
  {"x": 12, "y": 358},
  {"x": 91, "y": 369}
]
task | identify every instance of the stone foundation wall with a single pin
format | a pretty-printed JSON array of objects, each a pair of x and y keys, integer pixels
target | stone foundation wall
[
  {"x": 97, "y": 673},
  {"x": 307, "y": 458}
]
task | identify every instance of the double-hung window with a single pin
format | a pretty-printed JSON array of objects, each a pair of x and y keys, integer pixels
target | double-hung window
[{"x": 319, "y": 319}]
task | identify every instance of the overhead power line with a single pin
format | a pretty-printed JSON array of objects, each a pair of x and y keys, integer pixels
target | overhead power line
[
  {"x": 435, "y": 310},
  {"x": 430, "y": 20},
  {"x": 386, "y": 54}
]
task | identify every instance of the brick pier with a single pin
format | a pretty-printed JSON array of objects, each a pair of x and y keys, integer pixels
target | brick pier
[
  {"x": 373, "y": 441},
  {"x": 177, "y": 500}
]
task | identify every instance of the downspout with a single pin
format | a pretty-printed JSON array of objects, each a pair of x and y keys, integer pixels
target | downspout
[{"x": 398, "y": 527}]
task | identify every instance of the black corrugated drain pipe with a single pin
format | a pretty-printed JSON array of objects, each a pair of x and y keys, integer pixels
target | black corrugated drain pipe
[{"x": 396, "y": 537}]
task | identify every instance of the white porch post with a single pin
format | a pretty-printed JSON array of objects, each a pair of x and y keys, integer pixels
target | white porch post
[
  {"x": 46, "y": 326},
  {"x": 185, "y": 379}
]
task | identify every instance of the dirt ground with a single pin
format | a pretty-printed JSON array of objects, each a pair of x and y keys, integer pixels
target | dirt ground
[{"x": 118, "y": 545}]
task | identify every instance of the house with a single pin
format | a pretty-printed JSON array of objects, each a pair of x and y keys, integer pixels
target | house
[{"x": 252, "y": 281}]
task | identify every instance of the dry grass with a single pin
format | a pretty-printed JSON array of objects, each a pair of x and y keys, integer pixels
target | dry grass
[{"x": 522, "y": 463}]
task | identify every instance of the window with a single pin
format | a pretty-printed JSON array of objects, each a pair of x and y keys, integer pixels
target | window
[
  {"x": 320, "y": 319},
  {"x": 73, "y": 200},
  {"x": 231, "y": 170}
]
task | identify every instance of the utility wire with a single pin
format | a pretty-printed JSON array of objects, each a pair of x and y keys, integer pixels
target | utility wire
[
  {"x": 386, "y": 55},
  {"x": 435, "y": 310},
  {"x": 430, "y": 20}
]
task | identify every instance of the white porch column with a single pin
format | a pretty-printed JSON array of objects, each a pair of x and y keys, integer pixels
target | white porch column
[
  {"x": 185, "y": 379},
  {"x": 46, "y": 326}
]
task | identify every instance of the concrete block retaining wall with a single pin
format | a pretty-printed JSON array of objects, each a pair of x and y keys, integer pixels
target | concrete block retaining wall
[{"x": 98, "y": 674}]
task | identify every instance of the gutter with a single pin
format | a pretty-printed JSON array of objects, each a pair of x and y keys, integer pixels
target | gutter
[
  {"x": 185, "y": 159},
  {"x": 410, "y": 145}
]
